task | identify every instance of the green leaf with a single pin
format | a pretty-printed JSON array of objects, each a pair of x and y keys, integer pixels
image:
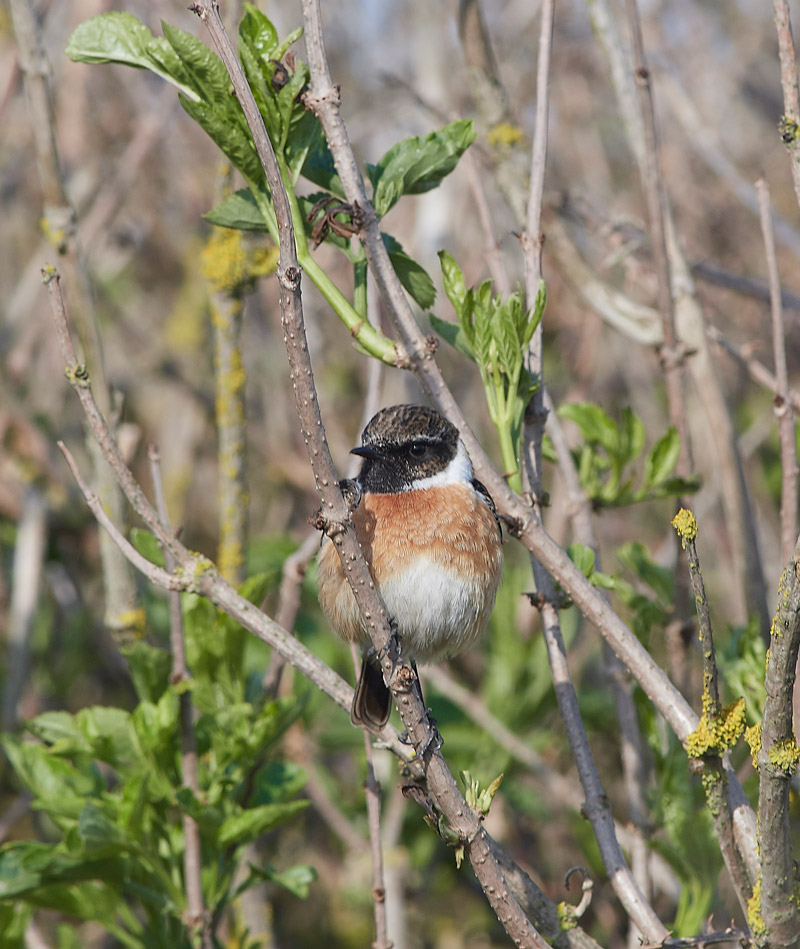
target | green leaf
[
  {"x": 412, "y": 276},
  {"x": 594, "y": 424},
  {"x": 456, "y": 289},
  {"x": 416, "y": 164},
  {"x": 239, "y": 210},
  {"x": 111, "y": 736},
  {"x": 149, "y": 668},
  {"x": 121, "y": 38},
  {"x": 48, "y": 777},
  {"x": 453, "y": 334},
  {"x": 582, "y": 557},
  {"x": 278, "y": 781},
  {"x": 229, "y": 135},
  {"x": 662, "y": 458},
  {"x": 297, "y": 879},
  {"x": 251, "y": 823},
  {"x": 258, "y": 33},
  {"x": 147, "y": 545},
  {"x": 307, "y": 141},
  {"x": 205, "y": 70}
]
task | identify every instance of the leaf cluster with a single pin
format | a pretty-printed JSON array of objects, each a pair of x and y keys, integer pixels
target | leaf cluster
[
  {"x": 494, "y": 332},
  {"x": 610, "y": 450},
  {"x": 107, "y": 783},
  {"x": 412, "y": 166}
]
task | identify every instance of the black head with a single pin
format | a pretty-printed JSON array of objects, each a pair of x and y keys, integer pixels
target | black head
[{"x": 408, "y": 444}]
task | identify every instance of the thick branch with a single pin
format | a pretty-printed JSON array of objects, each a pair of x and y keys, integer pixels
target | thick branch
[{"x": 777, "y": 762}]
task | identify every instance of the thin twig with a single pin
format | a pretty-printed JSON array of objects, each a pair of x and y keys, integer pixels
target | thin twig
[
  {"x": 372, "y": 792},
  {"x": 783, "y": 411},
  {"x": 747, "y": 286},
  {"x": 652, "y": 181},
  {"x": 292, "y": 576},
  {"x": 757, "y": 371},
  {"x": 596, "y": 807},
  {"x": 777, "y": 759},
  {"x": 634, "y": 767},
  {"x": 714, "y": 782},
  {"x": 532, "y": 240},
  {"x": 198, "y": 921},
  {"x": 59, "y": 224}
]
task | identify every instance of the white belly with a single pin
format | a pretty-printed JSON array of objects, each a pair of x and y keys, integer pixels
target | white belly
[{"x": 437, "y": 613}]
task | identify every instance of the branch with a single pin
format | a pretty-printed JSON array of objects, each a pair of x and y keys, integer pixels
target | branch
[
  {"x": 790, "y": 124},
  {"x": 783, "y": 409},
  {"x": 719, "y": 729},
  {"x": 440, "y": 783},
  {"x": 198, "y": 920},
  {"x": 671, "y": 353},
  {"x": 777, "y": 756}
]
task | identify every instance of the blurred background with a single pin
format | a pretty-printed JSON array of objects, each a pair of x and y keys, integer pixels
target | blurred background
[{"x": 141, "y": 174}]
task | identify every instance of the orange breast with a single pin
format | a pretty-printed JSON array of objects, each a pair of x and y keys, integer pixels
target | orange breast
[{"x": 436, "y": 558}]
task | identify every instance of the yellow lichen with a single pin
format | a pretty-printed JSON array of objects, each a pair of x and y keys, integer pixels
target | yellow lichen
[
  {"x": 231, "y": 267},
  {"x": 716, "y": 734},
  {"x": 685, "y": 523},
  {"x": 129, "y": 623},
  {"x": 785, "y": 755},
  {"x": 752, "y": 736},
  {"x": 566, "y": 916},
  {"x": 754, "y": 918},
  {"x": 504, "y": 134}
]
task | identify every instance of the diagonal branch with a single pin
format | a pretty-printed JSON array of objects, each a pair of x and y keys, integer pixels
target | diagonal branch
[{"x": 335, "y": 516}]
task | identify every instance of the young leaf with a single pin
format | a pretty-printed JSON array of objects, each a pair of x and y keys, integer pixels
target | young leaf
[
  {"x": 662, "y": 458},
  {"x": 582, "y": 557},
  {"x": 413, "y": 277},
  {"x": 206, "y": 71},
  {"x": 251, "y": 823},
  {"x": 593, "y": 422},
  {"x": 121, "y": 38},
  {"x": 229, "y": 135},
  {"x": 453, "y": 334},
  {"x": 416, "y": 164},
  {"x": 239, "y": 210},
  {"x": 147, "y": 545},
  {"x": 258, "y": 33}
]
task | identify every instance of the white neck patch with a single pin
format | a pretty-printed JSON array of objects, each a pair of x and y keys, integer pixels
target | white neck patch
[{"x": 458, "y": 471}]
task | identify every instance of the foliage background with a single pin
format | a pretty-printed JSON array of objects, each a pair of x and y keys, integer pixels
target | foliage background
[{"x": 402, "y": 73}]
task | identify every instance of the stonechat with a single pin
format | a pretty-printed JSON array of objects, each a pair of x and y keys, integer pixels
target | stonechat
[{"x": 431, "y": 538}]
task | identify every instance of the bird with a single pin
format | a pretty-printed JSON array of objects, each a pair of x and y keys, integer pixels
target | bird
[{"x": 432, "y": 540}]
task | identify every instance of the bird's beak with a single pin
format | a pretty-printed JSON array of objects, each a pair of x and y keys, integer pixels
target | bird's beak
[{"x": 366, "y": 451}]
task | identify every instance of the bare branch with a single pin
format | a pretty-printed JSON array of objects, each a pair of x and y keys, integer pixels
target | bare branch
[
  {"x": 783, "y": 410},
  {"x": 372, "y": 792},
  {"x": 672, "y": 355}
]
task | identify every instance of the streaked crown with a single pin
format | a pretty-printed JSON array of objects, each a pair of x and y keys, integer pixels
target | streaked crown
[{"x": 407, "y": 447}]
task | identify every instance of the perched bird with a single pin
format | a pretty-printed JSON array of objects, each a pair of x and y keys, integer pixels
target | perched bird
[{"x": 432, "y": 541}]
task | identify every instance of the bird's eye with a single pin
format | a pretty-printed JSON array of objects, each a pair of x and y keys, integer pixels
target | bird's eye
[{"x": 418, "y": 449}]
